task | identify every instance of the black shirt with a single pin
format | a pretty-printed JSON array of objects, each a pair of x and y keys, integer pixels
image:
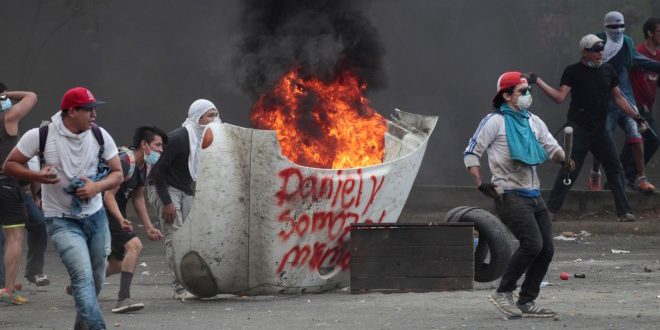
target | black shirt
[
  {"x": 7, "y": 142},
  {"x": 125, "y": 192},
  {"x": 591, "y": 89},
  {"x": 172, "y": 167}
]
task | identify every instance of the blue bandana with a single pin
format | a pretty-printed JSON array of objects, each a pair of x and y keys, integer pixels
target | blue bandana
[
  {"x": 76, "y": 204},
  {"x": 523, "y": 145}
]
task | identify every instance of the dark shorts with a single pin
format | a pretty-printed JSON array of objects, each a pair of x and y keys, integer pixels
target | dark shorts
[
  {"x": 13, "y": 212},
  {"x": 118, "y": 238}
]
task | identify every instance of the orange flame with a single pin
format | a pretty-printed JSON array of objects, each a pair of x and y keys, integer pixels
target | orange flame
[{"x": 323, "y": 125}]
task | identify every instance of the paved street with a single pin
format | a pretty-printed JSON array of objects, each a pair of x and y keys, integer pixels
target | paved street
[{"x": 617, "y": 293}]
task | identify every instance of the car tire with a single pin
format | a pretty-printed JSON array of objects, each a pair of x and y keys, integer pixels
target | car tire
[{"x": 494, "y": 239}]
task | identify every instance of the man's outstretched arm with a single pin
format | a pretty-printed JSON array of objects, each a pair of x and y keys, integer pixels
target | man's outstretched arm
[{"x": 557, "y": 95}]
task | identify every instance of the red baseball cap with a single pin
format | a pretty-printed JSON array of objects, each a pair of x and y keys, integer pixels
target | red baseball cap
[
  {"x": 79, "y": 97},
  {"x": 509, "y": 79}
]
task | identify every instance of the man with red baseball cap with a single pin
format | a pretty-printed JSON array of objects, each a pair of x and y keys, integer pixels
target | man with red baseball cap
[
  {"x": 79, "y": 97},
  {"x": 516, "y": 142},
  {"x": 81, "y": 159}
]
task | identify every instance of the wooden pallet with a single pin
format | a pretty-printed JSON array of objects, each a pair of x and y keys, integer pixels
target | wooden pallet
[{"x": 411, "y": 257}]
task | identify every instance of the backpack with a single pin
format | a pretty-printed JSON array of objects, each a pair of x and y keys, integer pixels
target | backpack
[
  {"x": 43, "y": 135},
  {"x": 130, "y": 157}
]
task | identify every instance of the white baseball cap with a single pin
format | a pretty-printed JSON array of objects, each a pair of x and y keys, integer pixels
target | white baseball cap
[{"x": 589, "y": 41}]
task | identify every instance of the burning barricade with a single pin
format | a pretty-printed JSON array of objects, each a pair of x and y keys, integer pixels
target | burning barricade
[
  {"x": 262, "y": 224},
  {"x": 273, "y": 205}
]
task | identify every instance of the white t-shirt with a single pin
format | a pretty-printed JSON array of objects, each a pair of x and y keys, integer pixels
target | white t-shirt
[{"x": 56, "y": 202}]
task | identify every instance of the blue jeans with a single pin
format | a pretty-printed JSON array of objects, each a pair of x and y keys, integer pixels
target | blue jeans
[
  {"x": 83, "y": 246},
  {"x": 37, "y": 239},
  {"x": 628, "y": 125},
  {"x": 651, "y": 144}
]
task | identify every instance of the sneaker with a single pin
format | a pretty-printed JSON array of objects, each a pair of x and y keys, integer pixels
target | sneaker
[
  {"x": 38, "y": 280},
  {"x": 530, "y": 310},
  {"x": 643, "y": 185},
  {"x": 595, "y": 183},
  {"x": 127, "y": 305},
  {"x": 628, "y": 217},
  {"x": 14, "y": 299},
  {"x": 504, "y": 302},
  {"x": 183, "y": 294},
  {"x": 68, "y": 289}
]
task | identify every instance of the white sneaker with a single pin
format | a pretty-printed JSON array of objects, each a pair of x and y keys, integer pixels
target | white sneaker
[{"x": 183, "y": 294}]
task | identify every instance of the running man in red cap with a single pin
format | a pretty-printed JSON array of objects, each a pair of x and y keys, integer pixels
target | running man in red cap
[
  {"x": 80, "y": 158},
  {"x": 516, "y": 141}
]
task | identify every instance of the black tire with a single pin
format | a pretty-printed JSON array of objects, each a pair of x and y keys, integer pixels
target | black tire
[{"x": 494, "y": 239}]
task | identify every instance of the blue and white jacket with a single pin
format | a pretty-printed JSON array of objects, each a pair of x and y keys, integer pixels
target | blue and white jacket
[{"x": 508, "y": 174}]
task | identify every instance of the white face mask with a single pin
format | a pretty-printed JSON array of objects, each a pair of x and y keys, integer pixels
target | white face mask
[{"x": 524, "y": 101}]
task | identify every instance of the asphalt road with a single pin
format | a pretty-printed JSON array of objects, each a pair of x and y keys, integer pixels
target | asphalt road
[{"x": 617, "y": 293}]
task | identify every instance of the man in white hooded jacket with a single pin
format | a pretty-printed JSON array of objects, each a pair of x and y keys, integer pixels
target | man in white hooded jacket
[{"x": 174, "y": 177}]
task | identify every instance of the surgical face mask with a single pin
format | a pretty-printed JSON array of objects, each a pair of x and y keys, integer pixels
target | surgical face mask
[
  {"x": 152, "y": 157},
  {"x": 524, "y": 101},
  {"x": 6, "y": 103}
]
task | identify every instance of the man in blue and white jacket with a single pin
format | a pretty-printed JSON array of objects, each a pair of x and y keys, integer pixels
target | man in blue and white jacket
[{"x": 516, "y": 141}]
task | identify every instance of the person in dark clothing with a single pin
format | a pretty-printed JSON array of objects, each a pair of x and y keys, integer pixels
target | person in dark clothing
[
  {"x": 591, "y": 83},
  {"x": 13, "y": 212},
  {"x": 174, "y": 177},
  {"x": 37, "y": 237},
  {"x": 126, "y": 247}
]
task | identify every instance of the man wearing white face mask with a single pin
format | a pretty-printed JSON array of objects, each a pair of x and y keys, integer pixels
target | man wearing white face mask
[
  {"x": 516, "y": 142},
  {"x": 174, "y": 177},
  {"x": 620, "y": 52}
]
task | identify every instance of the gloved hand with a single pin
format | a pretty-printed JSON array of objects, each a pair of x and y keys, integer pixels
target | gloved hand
[
  {"x": 531, "y": 77},
  {"x": 642, "y": 125},
  {"x": 489, "y": 190}
]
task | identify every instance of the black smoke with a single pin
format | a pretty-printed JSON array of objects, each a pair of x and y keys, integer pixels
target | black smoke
[{"x": 321, "y": 38}]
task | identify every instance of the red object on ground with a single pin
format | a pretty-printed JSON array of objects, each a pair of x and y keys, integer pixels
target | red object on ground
[{"x": 564, "y": 276}]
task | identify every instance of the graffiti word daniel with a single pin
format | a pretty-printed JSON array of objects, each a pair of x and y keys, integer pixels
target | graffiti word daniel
[{"x": 349, "y": 198}]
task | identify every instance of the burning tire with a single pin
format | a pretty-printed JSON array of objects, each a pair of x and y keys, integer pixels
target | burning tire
[{"x": 494, "y": 240}]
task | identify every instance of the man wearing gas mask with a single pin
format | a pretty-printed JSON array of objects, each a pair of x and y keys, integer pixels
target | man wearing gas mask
[{"x": 516, "y": 142}]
